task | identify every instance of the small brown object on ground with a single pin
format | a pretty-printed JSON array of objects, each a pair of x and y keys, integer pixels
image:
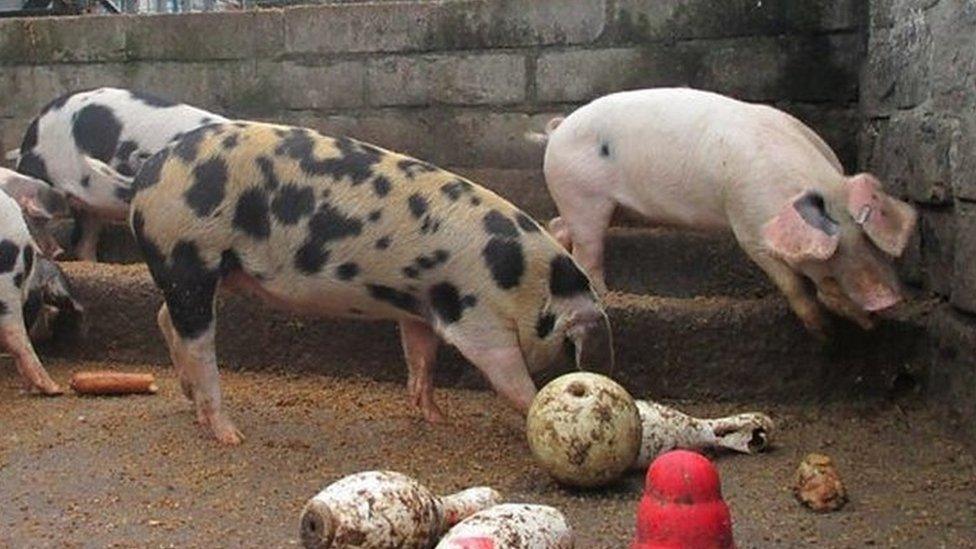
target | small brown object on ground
[
  {"x": 113, "y": 383},
  {"x": 818, "y": 485}
]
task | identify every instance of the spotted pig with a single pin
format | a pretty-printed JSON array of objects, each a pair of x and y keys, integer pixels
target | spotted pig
[
  {"x": 33, "y": 294},
  {"x": 77, "y": 134},
  {"x": 330, "y": 226}
]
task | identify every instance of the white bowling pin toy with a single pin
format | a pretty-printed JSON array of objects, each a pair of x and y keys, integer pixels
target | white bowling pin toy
[
  {"x": 511, "y": 526},
  {"x": 666, "y": 429},
  {"x": 379, "y": 509}
]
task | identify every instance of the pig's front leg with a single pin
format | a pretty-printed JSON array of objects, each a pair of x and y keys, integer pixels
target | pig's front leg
[
  {"x": 89, "y": 227},
  {"x": 797, "y": 295},
  {"x": 14, "y": 338},
  {"x": 420, "y": 350},
  {"x": 830, "y": 294}
]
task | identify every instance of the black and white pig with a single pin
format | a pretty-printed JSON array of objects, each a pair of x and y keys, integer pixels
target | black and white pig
[
  {"x": 74, "y": 136},
  {"x": 33, "y": 295},
  {"x": 323, "y": 226},
  {"x": 695, "y": 159}
]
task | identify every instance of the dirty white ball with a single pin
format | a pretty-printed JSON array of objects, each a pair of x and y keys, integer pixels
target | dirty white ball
[{"x": 584, "y": 429}]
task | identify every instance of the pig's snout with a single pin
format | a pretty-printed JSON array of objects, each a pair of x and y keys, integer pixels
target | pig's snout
[{"x": 874, "y": 296}]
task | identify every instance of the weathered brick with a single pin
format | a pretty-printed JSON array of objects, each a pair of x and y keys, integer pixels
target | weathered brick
[
  {"x": 962, "y": 161},
  {"x": 581, "y": 75},
  {"x": 806, "y": 68},
  {"x": 27, "y": 88},
  {"x": 330, "y": 86},
  {"x": 897, "y": 72},
  {"x": 62, "y": 39},
  {"x": 952, "y": 376},
  {"x": 964, "y": 277},
  {"x": 937, "y": 239},
  {"x": 449, "y": 79},
  {"x": 954, "y": 56},
  {"x": 643, "y": 20},
  {"x": 912, "y": 156},
  {"x": 205, "y": 36},
  {"x": 423, "y": 26}
]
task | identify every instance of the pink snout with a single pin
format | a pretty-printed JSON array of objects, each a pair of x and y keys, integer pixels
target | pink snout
[{"x": 879, "y": 298}]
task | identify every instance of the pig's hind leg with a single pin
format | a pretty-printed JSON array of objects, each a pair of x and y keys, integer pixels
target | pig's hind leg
[
  {"x": 169, "y": 334},
  {"x": 420, "y": 350},
  {"x": 13, "y": 336}
]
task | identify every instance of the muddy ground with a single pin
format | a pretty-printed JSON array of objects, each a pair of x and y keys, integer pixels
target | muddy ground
[{"x": 136, "y": 471}]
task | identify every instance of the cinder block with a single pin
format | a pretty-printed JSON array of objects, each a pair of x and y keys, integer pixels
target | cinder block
[
  {"x": 205, "y": 36},
  {"x": 643, "y": 20},
  {"x": 897, "y": 71},
  {"x": 582, "y": 75},
  {"x": 62, "y": 39},
  {"x": 26, "y": 89},
  {"x": 953, "y": 56},
  {"x": 952, "y": 378},
  {"x": 937, "y": 235},
  {"x": 235, "y": 88},
  {"x": 336, "y": 85},
  {"x": 964, "y": 276},
  {"x": 912, "y": 156},
  {"x": 494, "y": 78},
  {"x": 425, "y": 26},
  {"x": 962, "y": 161}
]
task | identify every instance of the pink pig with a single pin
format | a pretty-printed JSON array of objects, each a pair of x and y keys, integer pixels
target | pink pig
[{"x": 688, "y": 158}]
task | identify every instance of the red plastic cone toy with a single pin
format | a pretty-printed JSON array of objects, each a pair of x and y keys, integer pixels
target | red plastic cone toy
[{"x": 682, "y": 505}]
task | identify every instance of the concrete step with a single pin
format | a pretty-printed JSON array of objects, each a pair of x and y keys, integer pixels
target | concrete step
[
  {"x": 662, "y": 262},
  {"x": 706, "y": 347}
]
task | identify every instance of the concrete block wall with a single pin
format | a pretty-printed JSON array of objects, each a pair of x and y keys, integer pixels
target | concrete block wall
[
  {"x": 918, "y": 97},
  {"x": 454, "y": 82}
]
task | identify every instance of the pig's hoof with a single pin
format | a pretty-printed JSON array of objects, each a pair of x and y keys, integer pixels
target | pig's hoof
[
  {"x": 225, "y": 432},
  {"x": 435, "y": 416},
  {"x": 47, "y": 388}
]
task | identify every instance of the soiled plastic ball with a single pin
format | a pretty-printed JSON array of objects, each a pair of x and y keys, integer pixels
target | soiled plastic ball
[{"x": 584, "y": 429}]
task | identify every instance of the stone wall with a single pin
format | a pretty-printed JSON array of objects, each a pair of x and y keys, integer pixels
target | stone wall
[
  {"x": 919, "y": 101},
  {"x": 456, "y": 83}
]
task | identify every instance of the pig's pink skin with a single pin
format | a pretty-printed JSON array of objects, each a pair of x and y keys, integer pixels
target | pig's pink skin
[{"x": 699, "y": 160}]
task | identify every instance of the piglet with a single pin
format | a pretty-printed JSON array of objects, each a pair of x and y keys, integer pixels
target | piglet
[
  {"x": 699, "y": 160},
  {"x": 327, "y": 226},
  {"x": 76, "y": 133},
  {"x": 665, "y": 429},
  {"x": 511, "y": 525},
  {"x": 33, "y": 294},
  {"x": 385, "y": 509}
]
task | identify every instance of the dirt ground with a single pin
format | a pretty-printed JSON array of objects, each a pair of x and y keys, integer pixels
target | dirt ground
[{"x": 136, "y": 471}]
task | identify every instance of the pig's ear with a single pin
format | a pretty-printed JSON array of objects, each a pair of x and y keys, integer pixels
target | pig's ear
[
  {"x": 37, "y": 199},
  {"x": 590, "y": 334},
  {"x": 802, "y": 230},
  {"x": 887, "y": 221},
  {"x": 105, "y": 174},
  {"x": 558, "y": 229}
]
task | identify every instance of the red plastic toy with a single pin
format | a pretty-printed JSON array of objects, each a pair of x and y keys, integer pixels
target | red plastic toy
[{"x": 682, "y": 505}]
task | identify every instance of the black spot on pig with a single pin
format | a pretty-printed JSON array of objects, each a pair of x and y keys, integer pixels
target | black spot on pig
[
  {"x": 30, "y": 138},
  {"x": 566, "y": 279},
  {"x": 206, "y": 120},
  {"x": 19, "y": 280},
  {"x": 412, "y": 167},
  {"x": 188, "y": 286},
  {"x": 188, "y": 145},
  {"x": 381, "y": 186},
  {"x": 207, "y": 191},
  {"x": 150, "y": 172},
  {"x": 446, "y": 302},
  {"x": 326, "y": 225},
  {"x": 456, "y": 189},
  {"x": 8, "y": 255},
  {"x": 355, "y": 161},
  {"x": 347, "y": 271},
  {"x": 544, "y": 325},
  {"x": 505, "y": 261},
  {"x": 266, "y": 165},
  {"x": 498, "y": 225},
  {"x": 411, "y": 272},
  {"x": 28, "y": 259},
  {"x": 527, "y": 223},
  {"x": 32, "y": 165},
  {"x": 375, "y": 215},
  {"x": 151, "y": 100},
  {"x": 230, "y": 262},
  {"x": 292, "y": 203},
  {"x": 400, "y": 300},
  {"x": 251, "y": 214},
  {"x": 417, "y": 205},
  {"x": 230, "y": 141},
  {"x": 383, "y": 243},
  {"x": 124, "y": 194},
  {"x": 311, "y": 257},
  {"x": 86, "y": 181},
  {"x": 4, "y": 309},
  {"x": 605, "y": 150},
  {"x": 96, "y": 131}
]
